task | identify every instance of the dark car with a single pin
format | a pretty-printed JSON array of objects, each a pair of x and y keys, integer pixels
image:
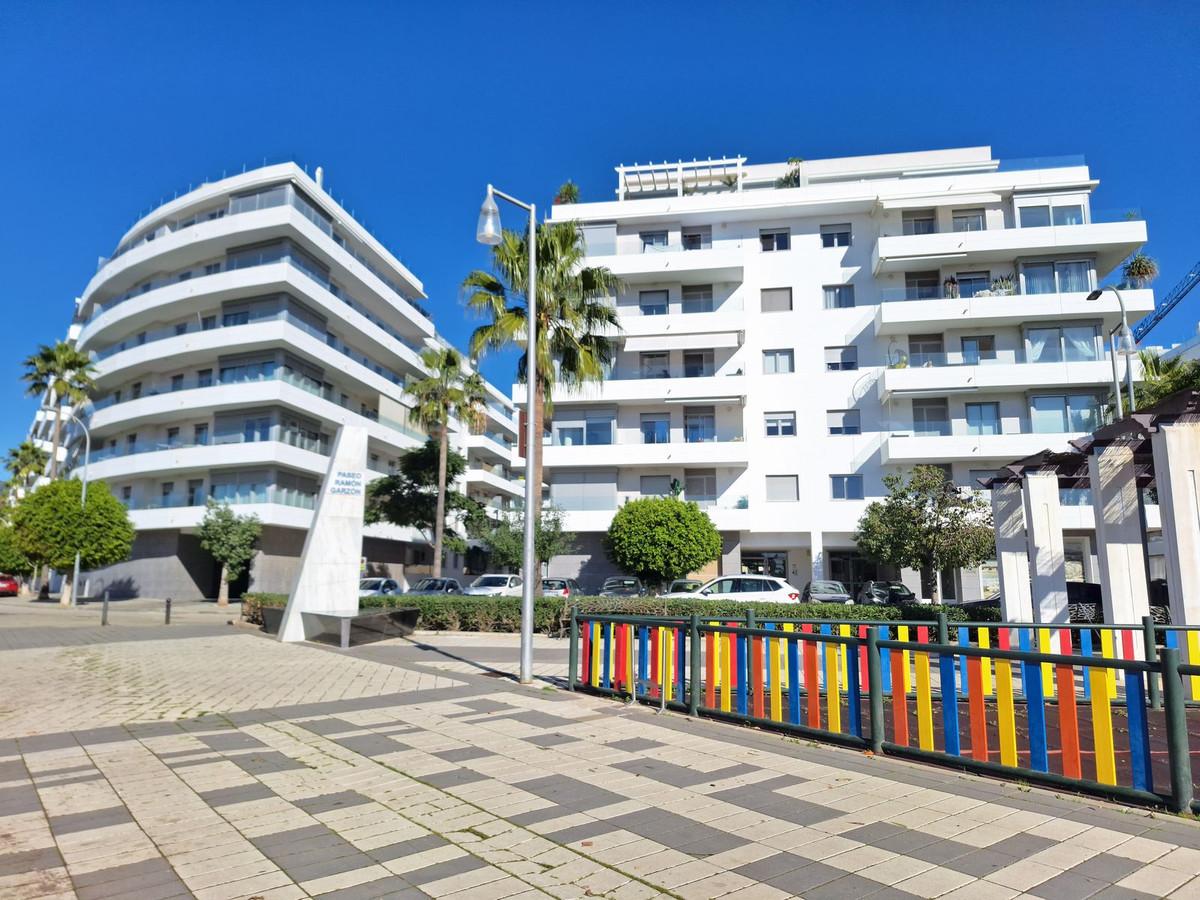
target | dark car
[
  {"x": 623, "y": 586},
  {"x": 825, "y": 592},
  {"x": 436, "y": 586},
  {"x": 563, "y": 587},
  {"x": 881, "y": 592},
  {"x": 9, "y": 586}
]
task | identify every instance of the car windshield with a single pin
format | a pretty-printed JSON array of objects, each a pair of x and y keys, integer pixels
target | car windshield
[
  {"x": 828, "y": 587},
  {"x": 686, "y": 587},
  {"x": 613, "y": 583},
  {"x": 553, "y": 584},
  {"x": 490, "y": 581},
  {"x": 430, "y": 584},
  {"x": 370, "y": 584}
]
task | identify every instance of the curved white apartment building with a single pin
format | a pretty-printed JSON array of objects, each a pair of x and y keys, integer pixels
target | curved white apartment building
[
  {"x": 783, "y": 348},
  {"x": 233, "y": 330}
]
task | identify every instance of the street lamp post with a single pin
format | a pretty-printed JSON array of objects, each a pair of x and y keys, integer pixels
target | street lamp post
[
  {"x": 87, "y": 453},
  {"x": 1128, "y": 348},
  {"x": 489, "y": 232}
]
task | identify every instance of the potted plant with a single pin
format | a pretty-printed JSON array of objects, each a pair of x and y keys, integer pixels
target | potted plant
[
  {"x": 1003, "y": 285},
  {"x": 793, "y": 177},
  {"x": 567, "y": 193},
  {"x": 730, "y": 181},
  {"x": 950, "y": 288},
  {"x": 1140, "y": 269}
]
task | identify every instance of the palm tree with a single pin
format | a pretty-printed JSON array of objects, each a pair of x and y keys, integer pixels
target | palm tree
[
  {"x": 25, "y": 463},
  {"x": 67, "y": 374},
  {"x": 446, "y": 392},
  {"x": 1163, "y": 377},
  {"x": 575, "y": 315}
]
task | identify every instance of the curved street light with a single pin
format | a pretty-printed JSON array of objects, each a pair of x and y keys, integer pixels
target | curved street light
[{"x": 1126, "y": 346}]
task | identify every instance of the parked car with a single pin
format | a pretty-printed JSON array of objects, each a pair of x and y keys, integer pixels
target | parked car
[
  {"x": 826, "y": 592},
  {"x": 564, "y": 587},
  {"x": 623, "y": 586},
  {"x": 685, "y": 586},
  {"x": 495, "y": 585},
  {"x": 744, "y": 588},
  {"x": 881, "y": 592},
  {"x": 9, "y": 586},
  {"x": 436, "y": 586},
  {"x": 378, "y": 587}
]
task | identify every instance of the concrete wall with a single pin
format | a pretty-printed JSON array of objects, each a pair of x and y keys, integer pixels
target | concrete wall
[{"x": 161, "y": 564}]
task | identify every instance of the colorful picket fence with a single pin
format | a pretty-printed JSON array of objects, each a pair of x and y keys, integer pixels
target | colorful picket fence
[{"x": 1006, "y": 699}]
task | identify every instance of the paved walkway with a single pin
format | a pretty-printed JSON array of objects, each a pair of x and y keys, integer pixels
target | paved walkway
[{"x": 206, "y": 760}]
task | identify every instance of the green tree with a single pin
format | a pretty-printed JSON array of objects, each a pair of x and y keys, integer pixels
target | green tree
[
  {"x": 504, "y": 539},
  {"x": 928, "y": 524},
  {"x": 447, "y": 392},
  {"x": 411, "y": 498},
  {"x": 26, "y": 463},
  {"x": 66, "y": 373},
  {"x": 231, "y": 539},
  {"x": 13, "y": 560},
  {"x": 576, "y": 316},
  {"x": 662, "y": 538},
  {"x": 50, "y": 527},
  {"x": 1163, "y": 377}
]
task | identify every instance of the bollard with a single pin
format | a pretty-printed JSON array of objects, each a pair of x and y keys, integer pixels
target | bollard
[
  {"x": 167, "y": 616},
  {"x": 1151, "y": 657},
  {"x": 694, "y": 650},
  {"x": 875, "y": 688},
  {"x": 1178, "y": 746},
  {"x": 573, "y": 653},
  {"x": 104, "y": 608}
]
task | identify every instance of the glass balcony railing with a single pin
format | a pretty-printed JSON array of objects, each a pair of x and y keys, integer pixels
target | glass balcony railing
[
  {"x": 140, "y": 447},
  {"x": 234, "y": 495},
  {"x": 921, "y": 360}
]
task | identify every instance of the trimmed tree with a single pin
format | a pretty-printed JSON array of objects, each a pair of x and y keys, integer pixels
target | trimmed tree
[
  {"x": 50, "y": 527},
  {"x": 13, "y": 560},
  {"x": 660, "y": 539},
  {"x": 929, "y": 524},
  {"x": 505, "y": 539},
  {"x": 231, "y": 539}
]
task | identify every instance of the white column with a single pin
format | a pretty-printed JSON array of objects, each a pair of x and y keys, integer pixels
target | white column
[
  {"x": 1120, "y": 548},
  {"x": 1047, "y": 563},
  {"x": 1177, "y": 474},
  {"x": 1012, "y": 552},
  {"x": 818, "y": 556}
]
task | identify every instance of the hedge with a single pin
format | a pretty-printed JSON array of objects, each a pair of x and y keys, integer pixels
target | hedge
[{"x": 440, "y": 612}]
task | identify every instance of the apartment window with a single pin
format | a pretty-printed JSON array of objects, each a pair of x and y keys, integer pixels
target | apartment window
[
  {"x": 256, "y": 429},
  {"x": 843, "y": 421},
  {"x": 846, "y": 487},
  {"x": 783, "y": 489},
  {"x": 653, "y": 303},
  {"x": 204, "y": 378},
  {"x": 130, "y": 442},
  {"x": 1057, "y": 277},
  {"x": 1067, "y": 215},
  {"x": 778, "y": 362},
  {"x": 126, "y": 495},
  {"x": 1070, "y": 343},
  {"x": 839, "y": 296},
  {"x": 919, "y": 221},
  {"x": 835, "y": 235},
  {"x": 697, "y": 238},
  {"x": 773, "y": 239},
  {"x": 926, "y": 349},
  {"x": 841, "y": 359},
  {"x": 700, "y": 486},
  {"x": 971, "y": 283},
  {"x": 1033, "y": 216},
  {"x": 697, "y": 363},
  {"x": 212, "y": 268},
  {"x": 699, "y": 424},
  {"x": 181, "y": 328},
  {"x": 655, "y": 365},
  {"x": 172, "y": 437},
  {"x": 780, "y": 424},
  {"x": 136, "y": 390},
  {"x": 968, "y": 220},
  {"x": 237, "y": 317},
  {"x": 1060, "y": 413},
  {"x": 208, "y": 323},
  {"x": 653, "y": 241},
  {"x": 776, "y": 300},
  {"x": 184, "y": 276},
  {"x": 200, "y": 434},
  {"x": 592, "y": 427},
  {"x": 655, "y": 485},
  {"x": 599, "y": 427},
  {"x": 978, "y": 348},
  {"x": 569, "y": 435},
  {"x": 195, "y": 492},
  {"x": 168, "y": 488},
  {"x": 176, "y": 382},
  {"x": 656, "y": 428},
  {"x": 983, "y": 418},
  {"x": 922, "y": 285},
  {"x": 697, "y": 298},
  {"x": 931, "y": 417}
]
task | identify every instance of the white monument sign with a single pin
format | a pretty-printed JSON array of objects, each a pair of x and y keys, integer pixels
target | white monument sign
[{"x": 327, "y": 583}]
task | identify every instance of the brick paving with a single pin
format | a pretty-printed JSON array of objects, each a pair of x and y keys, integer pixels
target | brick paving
[{"x": 203, "y": 760}]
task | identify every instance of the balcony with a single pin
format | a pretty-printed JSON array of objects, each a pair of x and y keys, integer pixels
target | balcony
[
  {"x": 724, "y": 261},
  {"x": 1110, "y": 241},
  {"x": 494, "y": 444},
  {"x": 942, "y": 373},
  {"x": 903, "y": 312},
  {"x": 725, "y": 518},
  {"x": 679, "y": 453},
  {"x": 493, "y": 480},
  {"x": 913, "y": 449},
  {"x": 147, "y": 460},
  {"x": 712, "y": 388}
]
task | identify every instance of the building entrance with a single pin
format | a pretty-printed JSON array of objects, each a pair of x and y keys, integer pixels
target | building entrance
[{"x": 769, "y": 562}]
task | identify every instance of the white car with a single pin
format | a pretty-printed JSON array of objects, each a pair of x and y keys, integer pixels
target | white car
[
  {"x": 495, "y": 586},
  {"x": 378, "y": 587},
  {"x": 743, "y": 589}
]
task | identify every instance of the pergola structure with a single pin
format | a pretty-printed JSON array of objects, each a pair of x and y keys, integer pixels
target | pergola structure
[{"x": 1157, "y": 447}]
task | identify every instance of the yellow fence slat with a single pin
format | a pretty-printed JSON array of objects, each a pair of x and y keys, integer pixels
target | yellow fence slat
[
  {"x": 1102, "y": 730},
  {"x": 1005, "y": 717},
  {"x": 924, "y": 703}
]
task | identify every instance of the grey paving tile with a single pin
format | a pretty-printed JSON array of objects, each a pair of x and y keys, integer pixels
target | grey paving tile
[
  {"x": 402, "y": 849},
  {"x": 243, "y": 793},
  {"x": 289, "y": 836},
  {"x": 328, "y": 802},
  {"x": 1106, "y": 867},
  {"x": 20, "y": 799},
  {"x": 485, "y": 704},
  {"x": 841, "y": 888},
  {"x": 889, "y": 892},
  {"x": 371, "y": 745},
  {"x": 452, "y": 778},
  {"x": 40, "y": 743},
  {"x": 905, "y": 842},
  {"x": 635, "y": 744},
  {"x": 150, "y": 880},
  {"x": 549, "y": 740},
  {"x": 980, "y": 862},
  {"x": 876, "y": 831},
  {"x": 462, "y": 754},
  {"x": 584, "y": 832},
  {"x": 1116, "y": 892},
  {"x": 1023, "y": 845},
  {"x": 29, "y": 861},
  {"x": 772, "y": 866},
  {"x": 679, "y": 776},
  {"x": 262, "y": 762},
  {"x": 570, "y": 792},
  {"x": 939, "y": 852},
  {"x": 438, "y": 871},
  {"x": 538, "y": 719},
  {"x": 393, "y": 887},
  {"x": 329, "y": 725},
  {"x": 230, "y": 740},
  {"x": 1069, "y": 886},
  {"x": 85, "y": 821},
  {"x": 804, "y": 880},
  {"x": 798, "y": 812}
]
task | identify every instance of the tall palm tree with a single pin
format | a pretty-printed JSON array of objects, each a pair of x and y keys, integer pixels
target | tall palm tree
[
  {"x": 25, "y": 463},
  {"x": 576, "y": 318},
  {"x": 67, "y": 374},
  {"x": 447, "y": 392}
]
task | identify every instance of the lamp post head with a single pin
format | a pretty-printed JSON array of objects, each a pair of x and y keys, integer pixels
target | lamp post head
[
  {"x": 1095, "y": 295},
  {"x": 1126, "y": 344},
  {"x": 488, "y": 230}
]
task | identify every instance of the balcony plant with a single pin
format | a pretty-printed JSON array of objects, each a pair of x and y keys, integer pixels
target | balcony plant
[
  {"x": 793, "y": 177},
  {"x": 568, "y": 192},
  {"x": 1003, "y": 285},
  {"x": 1140, "y": 269},
  {"x": 950, "y": 288},
  {"x": 730, "y": 181}
]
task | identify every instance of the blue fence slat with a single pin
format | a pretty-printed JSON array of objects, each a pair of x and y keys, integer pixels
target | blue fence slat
[
  {"x": 743, "y": 670},
  {"x": 964, "y": 640},
  {"x": 680, "y": 662},
  {"x": 1031, "y": 679},
  {"x": 853, "y": 691},
  {"x": 643, "y": 657},
  {"x": 1085, "y": 650},
  {"x": 825, "y": 629},
  {"x": 1139, "y": 734},
  {"x": 949, "y": 703},
  {"x": 885, "y": 660},
  {"x": 793, "y": 651},
  {"x": 606, "y": 635}
]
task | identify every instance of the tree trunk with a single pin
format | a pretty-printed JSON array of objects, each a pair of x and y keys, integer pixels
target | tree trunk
[
  {"x": 223, "y": 590},
  {"x": 439, "y": 522},
  {"x": 929, "y": 582},
  {"x": 57, "y": 437}
]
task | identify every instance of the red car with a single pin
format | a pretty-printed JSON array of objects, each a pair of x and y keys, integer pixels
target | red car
[{"x": 9, "y": 586}]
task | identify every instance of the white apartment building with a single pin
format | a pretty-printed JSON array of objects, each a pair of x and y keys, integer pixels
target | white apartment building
[
  {"x": 783, "y": 348},
  {"x": 233, "y": 330}
]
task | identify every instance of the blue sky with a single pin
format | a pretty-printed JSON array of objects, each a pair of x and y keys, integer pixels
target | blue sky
[{"x": 108, "y": 108}]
